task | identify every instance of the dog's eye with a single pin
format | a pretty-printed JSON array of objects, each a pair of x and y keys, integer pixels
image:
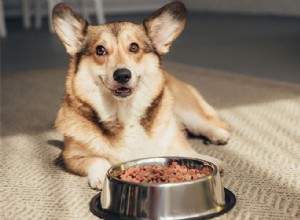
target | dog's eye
[
  {"x": 134, "y": 48},
  {"x": 101, "y": 51}
]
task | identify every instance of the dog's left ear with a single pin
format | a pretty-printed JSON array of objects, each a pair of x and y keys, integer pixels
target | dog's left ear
[{"x": 164, "y": 25}]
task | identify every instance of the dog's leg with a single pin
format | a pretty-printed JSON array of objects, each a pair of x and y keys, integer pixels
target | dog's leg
[
  {"x": 196, "y": 114},
  {"x": 202, "y": 119},
  {"x": 80, "y": 161},
  {"x": 97, "y": 171}
]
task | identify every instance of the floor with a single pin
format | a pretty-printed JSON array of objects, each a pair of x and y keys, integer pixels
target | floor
[{"x": 259, "y": 46}]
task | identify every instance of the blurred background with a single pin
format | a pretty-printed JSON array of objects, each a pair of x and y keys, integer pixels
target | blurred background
[{"x": 259, "y": 38}]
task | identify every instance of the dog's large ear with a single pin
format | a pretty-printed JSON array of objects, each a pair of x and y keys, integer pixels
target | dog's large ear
[
  {"x": 69, "y": 27},
  {"x": 164, "y": 25}
]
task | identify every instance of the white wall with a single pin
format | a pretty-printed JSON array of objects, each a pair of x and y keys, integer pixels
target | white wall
[
  {"x": 274, "y": 7},
  {"x": 13, "y": 8}
]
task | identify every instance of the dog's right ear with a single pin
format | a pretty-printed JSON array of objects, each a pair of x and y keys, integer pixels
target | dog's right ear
[{"x": 69, "y": 27}]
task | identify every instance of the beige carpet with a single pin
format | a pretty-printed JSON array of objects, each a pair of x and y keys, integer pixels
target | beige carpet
[{"x": 263, "y": 156}]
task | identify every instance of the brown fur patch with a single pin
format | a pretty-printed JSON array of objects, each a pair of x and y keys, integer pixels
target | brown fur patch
[
  {"x": 115, "y": 28},
  {"x": 109, "y": 129},
  {"x": 150, "y": 115},
  {"x": 77, "y": 156}
]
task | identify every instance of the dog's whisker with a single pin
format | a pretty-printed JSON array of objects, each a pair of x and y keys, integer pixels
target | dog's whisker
[
  {"x": 144, "y": 83},
  {"x": 144, "y": 93}
]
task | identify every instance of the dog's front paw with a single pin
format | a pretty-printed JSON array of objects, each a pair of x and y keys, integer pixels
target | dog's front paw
[
  {"x": 219, "y": 136},
  {"x": 97, "y": 173},
  {"x": 96, "y": 181}
]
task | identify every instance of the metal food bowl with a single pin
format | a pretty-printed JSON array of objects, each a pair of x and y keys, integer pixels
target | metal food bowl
[{"x": 193, "y": 199}]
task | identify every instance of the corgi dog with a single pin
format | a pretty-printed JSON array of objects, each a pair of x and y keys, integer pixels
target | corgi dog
[{"x": 119, "y": 102}]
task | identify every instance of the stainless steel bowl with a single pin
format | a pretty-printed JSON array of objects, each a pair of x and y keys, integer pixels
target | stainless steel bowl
[{"x": 184, "y": 200}]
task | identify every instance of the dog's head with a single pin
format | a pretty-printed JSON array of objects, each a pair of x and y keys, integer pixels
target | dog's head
[{"x": 119, "y": 55}]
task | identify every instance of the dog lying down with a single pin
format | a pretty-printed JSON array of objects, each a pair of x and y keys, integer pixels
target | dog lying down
[{"x": 119, "y": 103}]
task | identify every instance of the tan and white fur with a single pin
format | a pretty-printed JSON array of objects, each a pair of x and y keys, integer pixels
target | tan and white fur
[{"x": 119, "y": 103}]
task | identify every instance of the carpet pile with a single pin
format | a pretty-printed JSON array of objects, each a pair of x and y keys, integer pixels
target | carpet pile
[{"x": 262, "y": 158}]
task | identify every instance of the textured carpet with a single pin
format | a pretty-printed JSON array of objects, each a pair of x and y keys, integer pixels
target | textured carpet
[{"x": 263, "y": 156}]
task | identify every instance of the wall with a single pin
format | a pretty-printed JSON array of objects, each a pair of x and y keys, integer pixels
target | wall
[
  {"x": 13, "y": 8},
  {"x": 273, "y": 7}
]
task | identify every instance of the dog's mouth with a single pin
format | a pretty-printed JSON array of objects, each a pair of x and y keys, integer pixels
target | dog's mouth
[{"x": 122, "y": 92}]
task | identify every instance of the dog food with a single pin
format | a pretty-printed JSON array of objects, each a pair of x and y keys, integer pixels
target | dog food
[{"x": 172, "y": 173}]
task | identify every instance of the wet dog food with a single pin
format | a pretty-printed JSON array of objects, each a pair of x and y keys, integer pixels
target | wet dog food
[{"x": 172, "y": 173}]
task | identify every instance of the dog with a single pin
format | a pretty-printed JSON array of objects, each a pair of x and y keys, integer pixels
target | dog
[{"x": 119, "y": 102}]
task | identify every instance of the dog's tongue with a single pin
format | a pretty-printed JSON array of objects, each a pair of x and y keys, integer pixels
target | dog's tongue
[{"x": 123, "y": 92}]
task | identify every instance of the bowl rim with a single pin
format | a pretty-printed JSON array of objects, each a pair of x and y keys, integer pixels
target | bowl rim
[{"x": 161, "y": 185}]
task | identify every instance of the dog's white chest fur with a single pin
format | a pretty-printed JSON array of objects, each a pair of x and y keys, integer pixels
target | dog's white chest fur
[{"x": 137, "y": 143}]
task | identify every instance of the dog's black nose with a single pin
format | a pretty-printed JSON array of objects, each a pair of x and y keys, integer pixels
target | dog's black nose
[{"x": 122, "y": 75}]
